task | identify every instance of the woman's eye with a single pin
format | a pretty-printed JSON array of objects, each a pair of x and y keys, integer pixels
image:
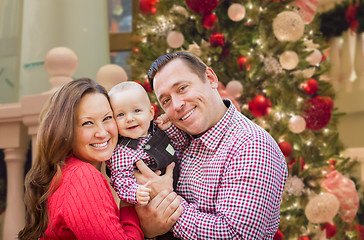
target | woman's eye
[{"x": 86, "y": 123}]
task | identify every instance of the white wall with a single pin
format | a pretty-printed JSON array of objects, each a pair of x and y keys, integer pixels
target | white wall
[
  {"x": 10, "y": 22},
  {"x": 80, "y": 25}
]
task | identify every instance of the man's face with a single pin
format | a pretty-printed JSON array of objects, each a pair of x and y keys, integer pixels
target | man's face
[{"x": 187, "y": 100}]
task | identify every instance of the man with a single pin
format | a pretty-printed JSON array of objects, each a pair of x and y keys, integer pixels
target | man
[{"x": 232, "y": 173}]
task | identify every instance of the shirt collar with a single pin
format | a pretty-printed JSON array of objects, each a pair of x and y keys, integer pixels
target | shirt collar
[{"x": 212, "y": 137}]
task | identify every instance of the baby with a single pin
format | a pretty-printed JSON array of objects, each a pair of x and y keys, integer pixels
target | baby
[{"x": 139, "y": 139}]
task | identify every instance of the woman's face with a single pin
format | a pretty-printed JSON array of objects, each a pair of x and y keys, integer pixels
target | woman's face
[{"x": 95, "y": 131}]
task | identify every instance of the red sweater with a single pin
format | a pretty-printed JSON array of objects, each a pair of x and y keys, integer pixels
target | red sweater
[{"x": 83, "y": 207}]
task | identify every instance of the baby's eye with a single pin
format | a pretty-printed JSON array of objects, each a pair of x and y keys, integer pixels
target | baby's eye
[
  {"x": 137, "y": 110},
  {"x": 120, "y": 115},
  {"x": 107, "y": 118}
]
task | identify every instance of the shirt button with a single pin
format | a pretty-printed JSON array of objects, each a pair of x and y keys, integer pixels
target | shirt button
[{"x": 147, "y": 147}]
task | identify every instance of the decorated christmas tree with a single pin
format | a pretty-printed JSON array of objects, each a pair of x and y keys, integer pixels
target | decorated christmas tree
[{"x": 269, "y": 56}]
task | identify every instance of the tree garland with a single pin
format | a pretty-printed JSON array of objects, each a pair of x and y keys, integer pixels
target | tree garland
[{"x": 344, "y": 16}]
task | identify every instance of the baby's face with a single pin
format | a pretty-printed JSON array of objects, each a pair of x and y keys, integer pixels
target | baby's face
[{"x": 133, "y": 113}]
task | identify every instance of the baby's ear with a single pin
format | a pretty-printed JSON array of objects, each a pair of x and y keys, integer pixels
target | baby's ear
[{"x": 152, "y": 112}]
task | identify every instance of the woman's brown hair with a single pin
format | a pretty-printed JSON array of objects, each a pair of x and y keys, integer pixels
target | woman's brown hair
[{"x": 54, "y": 144}]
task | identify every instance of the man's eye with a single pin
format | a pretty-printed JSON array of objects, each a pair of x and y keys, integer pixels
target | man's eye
[
  {"x": 182, "y": 88},
  {"x": 165, "y": 101}
]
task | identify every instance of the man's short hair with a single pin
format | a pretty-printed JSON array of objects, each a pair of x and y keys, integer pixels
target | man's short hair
[{"x": 192, "y": 61}]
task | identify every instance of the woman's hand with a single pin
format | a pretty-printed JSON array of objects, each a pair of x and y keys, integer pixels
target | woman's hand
[
  {"x": 160, "y": 214},
  {"x": 158, "y": 183}
]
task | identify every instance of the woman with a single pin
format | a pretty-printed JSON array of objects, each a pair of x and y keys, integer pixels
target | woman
[{"x": 66, "y": 195}]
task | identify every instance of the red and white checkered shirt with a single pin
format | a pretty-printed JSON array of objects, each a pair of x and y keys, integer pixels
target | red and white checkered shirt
[
  {"x": 231, "y": 179},
  {"x": 122, "y": 165}
]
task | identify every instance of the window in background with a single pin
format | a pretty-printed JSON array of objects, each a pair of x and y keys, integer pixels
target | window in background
[{"x": 121, "y": 27}]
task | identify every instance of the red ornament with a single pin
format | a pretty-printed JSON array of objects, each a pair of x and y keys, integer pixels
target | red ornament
[
  {"x": 209, "y": 20},
  {"x": 260, "y": 106},
  {"x": 323, "y": 58},
  {"x": 317, "y": 112},
  {"x": 146, "y": 85},
  {"x": 293, "y": 161},
  {"x": 225, "y": 52},
  {"x": 360, "y": 230},
  {"x": 329, "y": 102},
  {"x": 243, "y": 61},
  {"x": 278, "y": 236},
  {"x": 217, "y": 39},
  {"x": 331, "y": 230},
  {"x": 202, "y": 6},
  {"x": 310, "y": 86},
  {"x": 332, "y": 162},
  {"x": 350, "y": 16},
  {"x": 148, "y": 6},
  {"x": 304, "y": 238},
  {"x": 286, "y": 148}
]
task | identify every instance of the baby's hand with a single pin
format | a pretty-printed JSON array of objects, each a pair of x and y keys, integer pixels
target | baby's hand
[
  {"x": 163, "y": 122},
  {"x": 143, "y": 194}
]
